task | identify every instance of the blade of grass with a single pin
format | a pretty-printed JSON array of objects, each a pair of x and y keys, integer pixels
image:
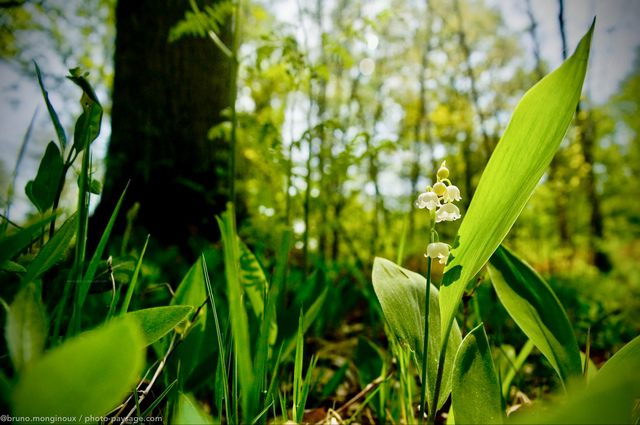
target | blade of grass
[
  {"x": 222, "y": 357},
  {"x": 158, "y": 400},
  {"x": 134, "y": 280}
]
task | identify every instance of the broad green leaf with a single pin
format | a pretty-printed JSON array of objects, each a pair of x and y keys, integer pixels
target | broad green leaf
[
  {"x": 62, "y": 138},
  {"x": 189, "y": 411},
  {"x": 87, "y": 375},
  {"x": 191, "y": 291},
  {"x": 623, "y": 364},
  {"x": 402, "y": 296},
  {"x": 253, "y": 278},
  {"x": 535, "y": 308},
  {"x": 475, "y": 388},
  {"x": 52, "y": 250},
  {"x": 158, "y": 321},
  {"x": 523, "y": 154},
  {"x": 45, "y": 186},
  {"x": 11, "y": 245},
  {"x": 88, "y": 124},
  {"x": 26, "y": 327}
]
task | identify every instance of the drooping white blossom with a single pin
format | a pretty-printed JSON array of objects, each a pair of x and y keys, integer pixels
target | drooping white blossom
[
  {"x": 428, "y": 200},
  {"x": 447, "y": 212},
  {"x": 438, "y": 250}
]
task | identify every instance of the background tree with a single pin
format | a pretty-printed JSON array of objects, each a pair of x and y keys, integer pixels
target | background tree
[{"x": 166, "y": 97}]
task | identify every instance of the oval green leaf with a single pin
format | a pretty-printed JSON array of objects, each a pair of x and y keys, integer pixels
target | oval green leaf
[
  {"x": 86, "y": 376},
  {"x": 45, "y": 185},
  {"x": 537, "y": 311},
  {"x": 475, "y": 388},
  {"x": 158, "y": 321},
  {"x": 532, "y": 137},
  {"x": 402, "y": 295}
]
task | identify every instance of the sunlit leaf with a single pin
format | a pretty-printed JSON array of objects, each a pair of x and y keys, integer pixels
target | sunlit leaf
[
  {"x": 523, "y": 154},
  {"x": 475, "y": 388}
]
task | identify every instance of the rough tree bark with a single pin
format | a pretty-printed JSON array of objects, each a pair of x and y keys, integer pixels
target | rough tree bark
[{"x": 166, "y": 97}]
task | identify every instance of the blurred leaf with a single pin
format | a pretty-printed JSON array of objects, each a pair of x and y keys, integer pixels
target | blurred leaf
[
  {"x": 42, "y": 191},
  {"x": 475, "y": 389},
  {"x": 87, "y": 375},
  {"x": 62, "y": 138},
  {"x": 189, "y": 411},
  {"x": 12, "y": 267},
  {"x": 335, "y": 381},
  {"x": 158, "y": 321},
  {"x": 369, "y": 361},
  {"x": 402, "y": 295},
  {"x": 610, "y": 403},
  {"x": 523, "y": 154},
  {"x": 52, "y": 250},
  {"x": 11, "y": 245},
  {"x": 26, "y": 327},
  {"x": 134, "y": 279},
  {"x": 94, "y": 186},
  {"x": 535, "y": 308},
  {"x": 623, "y": 364},
  {"x": 253, "y": 278}
]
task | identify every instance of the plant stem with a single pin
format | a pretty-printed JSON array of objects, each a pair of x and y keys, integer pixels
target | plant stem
[
  {"x": 423, "y": 390},
  {"x": 436, "y": 391}
]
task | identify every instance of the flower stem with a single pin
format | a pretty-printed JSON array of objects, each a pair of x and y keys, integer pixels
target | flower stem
[{"x": 423, "y": 391}]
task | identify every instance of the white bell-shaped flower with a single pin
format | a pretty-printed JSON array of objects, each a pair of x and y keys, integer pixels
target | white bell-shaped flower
[
  {"x": 428, "y": 200},
  {"x": 447, "y": 212},
  {"x": 453, "y": 194},
  {"x": 438, "y": 250}
]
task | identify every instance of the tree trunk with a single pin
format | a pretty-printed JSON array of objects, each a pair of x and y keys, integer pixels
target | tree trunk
[{"x": 166, "y": 97}]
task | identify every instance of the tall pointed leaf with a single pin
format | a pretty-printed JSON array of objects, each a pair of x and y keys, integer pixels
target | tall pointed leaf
[
  {"x": 535, "y": 308},
  {"x": 62, "y": 138},
  {"x": 402, "y": 295},
  {"x": 624, "y": 364},
  {"x": 156, "y": 322},
  {"x": 52, "y": 250},
  {"x": 475, "y": 388},
  {"x": 532, "y": 137}
]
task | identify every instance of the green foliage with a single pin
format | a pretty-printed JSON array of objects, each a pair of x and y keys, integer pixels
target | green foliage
[
  {"x": 525, "y": 150},
  {"x": 475, "y": 388},
  {"x": 402, "y": 295},
  {"x": 158, "y": 321},
  {"x": 537, "y": 311},
  {"x": 85, "y": 376},
  {"x": 43, "y": 190},
  {"x": 26, "y": 327},
  {"x": 52, "y": 250}
]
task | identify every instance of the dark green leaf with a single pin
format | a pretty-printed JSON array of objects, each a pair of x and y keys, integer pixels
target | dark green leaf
[
  {"x": 475, "y": 389},
  {"x": 158, "y": 321},
  {"x": 26, "y": 327},
  {"x": 45, "y": 186},
  {"x": 87, "y": 375},
  {"x": 88, "y": 124},
  {"x": 402, "y": 296},
  {"x": 523, "y": 154},
  {"x": 253, "y": 278},
  {"x": 535, "y": 308}
]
